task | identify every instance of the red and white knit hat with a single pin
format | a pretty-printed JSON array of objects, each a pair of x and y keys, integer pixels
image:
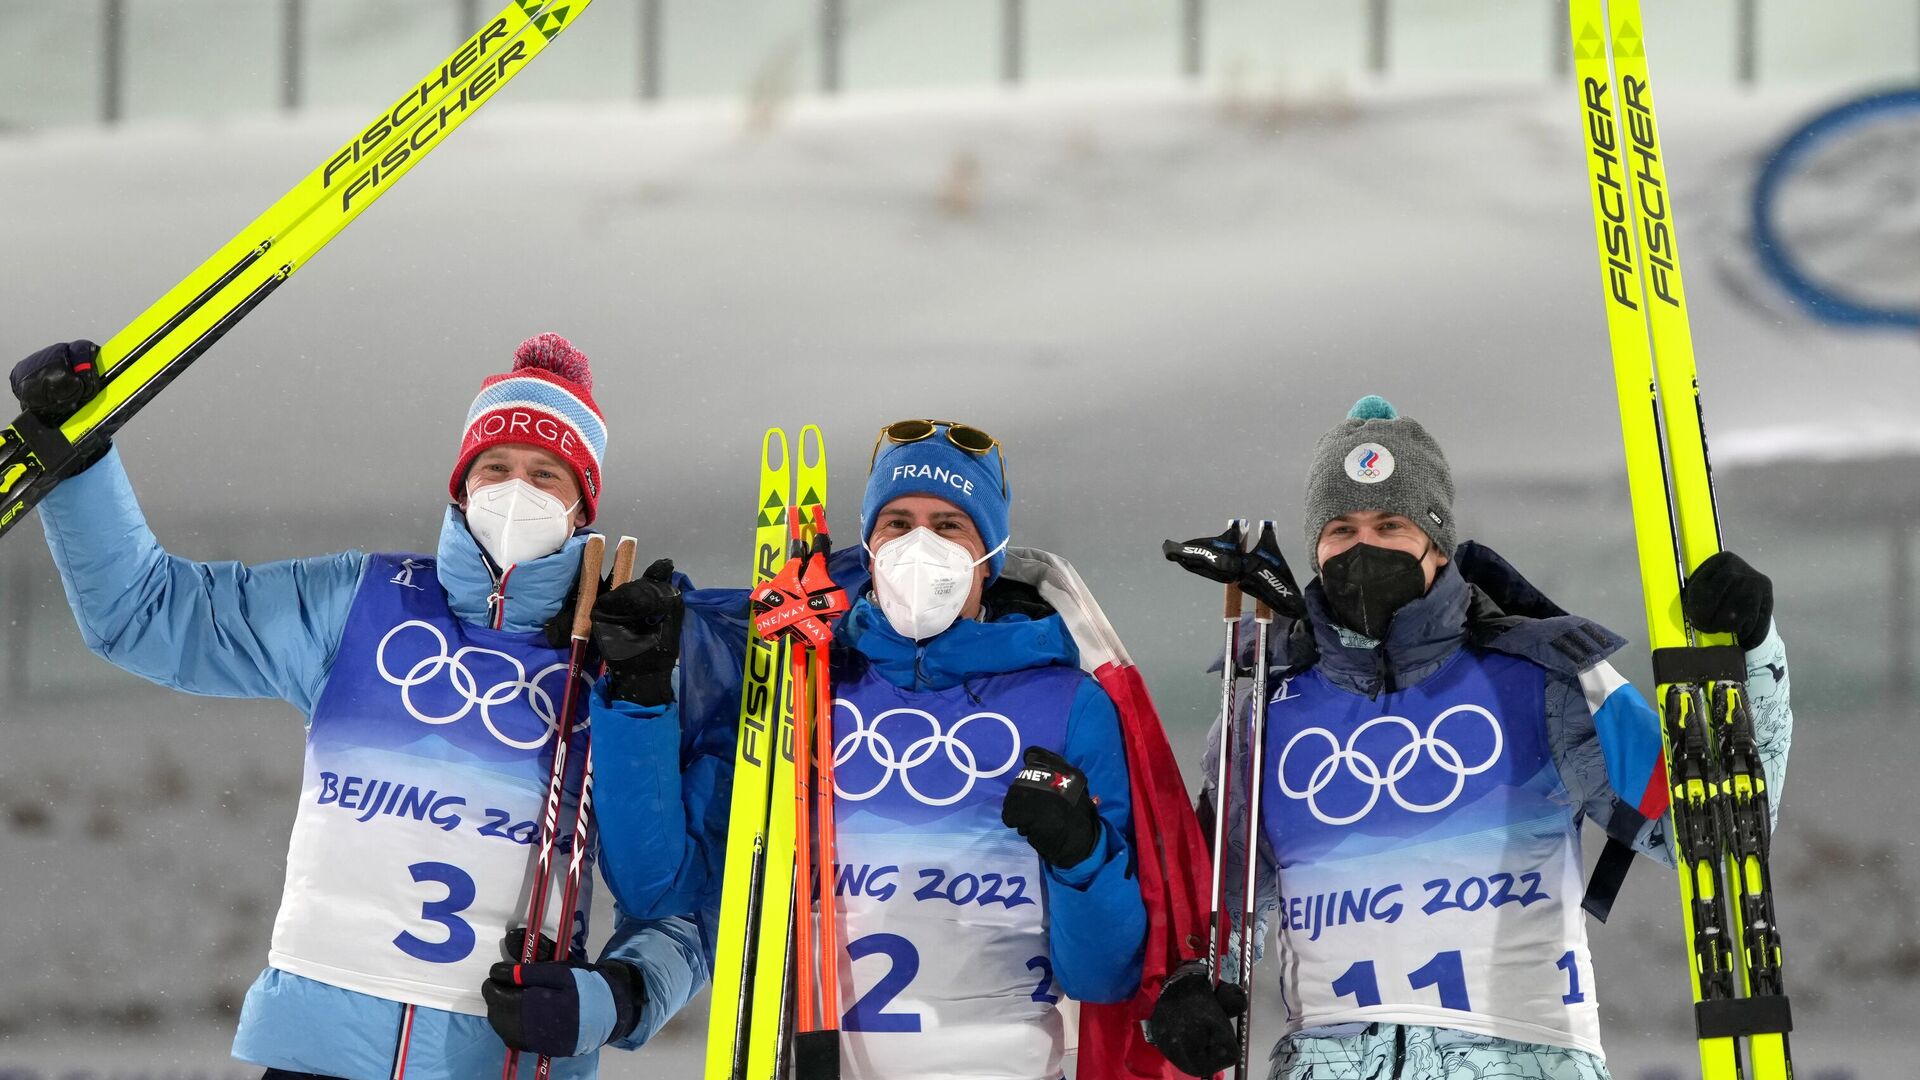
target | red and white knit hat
[{"x": 545, "y": 401}]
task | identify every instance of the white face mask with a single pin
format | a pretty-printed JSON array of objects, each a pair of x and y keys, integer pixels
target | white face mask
[
  {"x": 517, "y": 522},
  {"x": 922, "y": 580}
]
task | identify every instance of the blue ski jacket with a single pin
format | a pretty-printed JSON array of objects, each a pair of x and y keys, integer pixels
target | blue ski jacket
[
  {"x": 1097, "y": 921},
  {"x": 271, "y": 631}
]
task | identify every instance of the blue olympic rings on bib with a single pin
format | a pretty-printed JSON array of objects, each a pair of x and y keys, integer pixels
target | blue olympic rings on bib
[
  {"x": 1422, "y": 749},
  {"x": 424, "y": 674},
  {"x": 962, "y": 758}
]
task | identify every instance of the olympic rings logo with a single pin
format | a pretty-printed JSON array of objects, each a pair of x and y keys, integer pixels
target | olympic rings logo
[
  {"x": 866, "y": 737},
  {"x": 1426, "y": 746},
  {"x": 426, "y": 671}
]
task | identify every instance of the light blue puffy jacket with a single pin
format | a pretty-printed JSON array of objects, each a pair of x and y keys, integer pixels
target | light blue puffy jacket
[{"x": 271, "y": 631}]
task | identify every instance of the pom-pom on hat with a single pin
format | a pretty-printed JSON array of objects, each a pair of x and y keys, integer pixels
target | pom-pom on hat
[
  {"x": 934, "y": 466},
  {"x": 1377, "y": 459},
  {"x": 545, "y": 401}
]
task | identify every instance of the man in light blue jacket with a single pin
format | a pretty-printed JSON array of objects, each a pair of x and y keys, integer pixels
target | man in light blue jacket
[{"x": 432, "y": 686}]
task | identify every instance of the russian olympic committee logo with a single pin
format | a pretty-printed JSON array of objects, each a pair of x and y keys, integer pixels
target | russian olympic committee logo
[
  {"x": 1423, "y": 758},
  {"x": 867, "y": 759},
  {"x": 1370, "y": 463},
  {"x": 447, "y": 700}
]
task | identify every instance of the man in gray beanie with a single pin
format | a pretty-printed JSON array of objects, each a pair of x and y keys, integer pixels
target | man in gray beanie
[
  {"x": 1380, "y": 511},
  {"x": 1438, "y": 733}
]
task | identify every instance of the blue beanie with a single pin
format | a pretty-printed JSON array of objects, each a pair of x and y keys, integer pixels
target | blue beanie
[{"x": 934, "y": 466}]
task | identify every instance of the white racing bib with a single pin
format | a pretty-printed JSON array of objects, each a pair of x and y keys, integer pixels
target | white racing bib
[
  {"x": 1429, "y": 858},
  {"x": 945, "y": 972},
  {"x": 427, "y": 762}
]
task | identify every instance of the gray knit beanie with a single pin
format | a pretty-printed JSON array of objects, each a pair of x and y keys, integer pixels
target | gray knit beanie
[{"x": 1377, "y": 459}]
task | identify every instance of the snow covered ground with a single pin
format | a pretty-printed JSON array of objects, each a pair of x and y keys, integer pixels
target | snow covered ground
[{"x": 1132, "y": 285}]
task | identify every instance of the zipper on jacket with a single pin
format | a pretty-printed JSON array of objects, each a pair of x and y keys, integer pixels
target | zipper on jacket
[{"x": 497, "y": 600}]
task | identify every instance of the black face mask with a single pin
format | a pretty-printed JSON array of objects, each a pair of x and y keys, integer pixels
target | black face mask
[{"x": 1365, "y": 585}]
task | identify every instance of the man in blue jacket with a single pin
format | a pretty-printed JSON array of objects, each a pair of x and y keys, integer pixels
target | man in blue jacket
[
  {"x": 982, "y": 801},
  {"x": 1432, "y": 746},
  {"x": 431, "y": 688}
]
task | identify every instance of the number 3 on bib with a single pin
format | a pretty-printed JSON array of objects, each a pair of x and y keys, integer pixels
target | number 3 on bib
[{"x": 460, "y": 895}]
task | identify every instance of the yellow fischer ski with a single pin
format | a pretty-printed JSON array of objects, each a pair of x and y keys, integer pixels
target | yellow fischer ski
[
  {"x": 155, "y": 347},
  {"x": 758, "y": 762},
  {"x": 770, "y": 1037},
  {"x": 1721, "y": 820}
]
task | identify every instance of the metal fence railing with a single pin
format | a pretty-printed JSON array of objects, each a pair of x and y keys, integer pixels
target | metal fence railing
[{"x": 112, "y": 60}]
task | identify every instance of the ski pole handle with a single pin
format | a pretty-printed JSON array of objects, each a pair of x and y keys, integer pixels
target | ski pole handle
[
  {"x": 1235, "y": 603},
  {"x": 623, "y": 556},
  {"x": 590, "y": 563}
]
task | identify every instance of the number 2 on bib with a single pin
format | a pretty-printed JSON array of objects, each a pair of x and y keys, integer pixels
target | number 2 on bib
[{"x": 869, "y": 1013}]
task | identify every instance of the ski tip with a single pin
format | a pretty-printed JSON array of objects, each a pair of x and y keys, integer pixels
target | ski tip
[
  {"x": 813, "y": 447},
  {"x": 1373, "y": 407}
]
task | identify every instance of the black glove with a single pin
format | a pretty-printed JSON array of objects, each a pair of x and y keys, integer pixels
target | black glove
[
  {"x": 1049, "y": 805},
  {"x": 563, "y": 1009},
  {"x": 637, "y": 630},
  {"x": 1192, "y": 1022},
  {"x": 53, "y": 383},
  {"x": 1726, "y": 595}
]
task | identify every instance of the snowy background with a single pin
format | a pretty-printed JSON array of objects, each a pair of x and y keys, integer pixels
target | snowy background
[{"x": 1157, "y": 291}]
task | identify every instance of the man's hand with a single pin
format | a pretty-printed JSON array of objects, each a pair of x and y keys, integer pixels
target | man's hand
[
  {"x": 1049, "y": 805},
  {"x": 636, "y": 627}
]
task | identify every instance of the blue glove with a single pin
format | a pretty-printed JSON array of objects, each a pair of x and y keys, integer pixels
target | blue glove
[{"x": 562, "y": 1009}]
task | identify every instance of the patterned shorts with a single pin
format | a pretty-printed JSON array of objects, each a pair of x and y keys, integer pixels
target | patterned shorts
[{"x": 1401, "y": 1052}]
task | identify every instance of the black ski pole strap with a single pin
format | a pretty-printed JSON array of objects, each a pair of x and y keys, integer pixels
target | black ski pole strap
[
  {"x": 1608, "y": 874},
  {"x": 1699, "y": 664},
  {"x": 47, "y": 442},
  {"x": 1769, "y": 1014}
]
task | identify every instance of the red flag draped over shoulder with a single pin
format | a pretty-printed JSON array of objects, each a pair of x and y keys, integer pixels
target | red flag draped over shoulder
[{"x": 1172, "y": 859}]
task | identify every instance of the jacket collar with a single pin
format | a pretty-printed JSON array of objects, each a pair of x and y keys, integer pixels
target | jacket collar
[
  {"x": 964, "y": 651},
  {"x": 1422, "y": 636},
  {"x": 526, "y": 597}
]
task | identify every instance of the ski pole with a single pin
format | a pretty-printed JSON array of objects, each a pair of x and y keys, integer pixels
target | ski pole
[
  {"x": 1223, "y": 774},
  {"x": 802, "y": 704},
  {"x": 623, "y": 556},
  {"x": 817, "y": 1051},
  {"x": 1256, "y": 731},
  {"x": 536, "y": 911},
  {"x": 1219, "y": 558}
]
